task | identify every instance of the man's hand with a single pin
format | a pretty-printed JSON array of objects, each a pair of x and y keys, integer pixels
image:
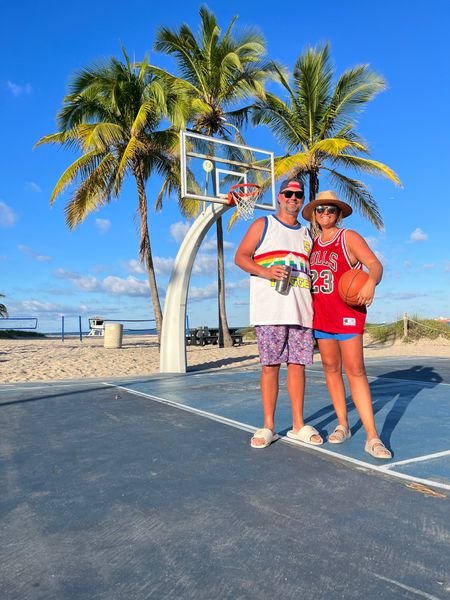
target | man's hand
[{"x": 276, "y": 272}]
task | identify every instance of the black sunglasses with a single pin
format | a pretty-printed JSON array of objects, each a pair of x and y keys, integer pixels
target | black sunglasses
[
  {"x": 331, "y": 210},
  {"x": 290, "y": 193}
]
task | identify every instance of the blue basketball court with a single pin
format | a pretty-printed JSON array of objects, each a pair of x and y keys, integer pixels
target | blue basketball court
[{"x": 148, "y": 488}]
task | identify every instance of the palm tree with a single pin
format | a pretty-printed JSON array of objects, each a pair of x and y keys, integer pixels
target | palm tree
[
  {"x": 218, "y": 72},
  {"x": 316, "y": 123},
  {"x": 3, "y": 309},
  {"x": 113, "y": 115}
]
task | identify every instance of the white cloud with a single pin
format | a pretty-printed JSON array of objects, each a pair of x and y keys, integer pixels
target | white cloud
[
  {"x": 32, "y": 254},
  {"x": 204, "y": 264},
  {"x": 163, "y": 266},
  {"x": 428, "y": 266},
  {"x": 110, "y": 284},
  {"x": 17, "y": 89},
  {"x": 8, "y": 218},
  {"x": 447, "y": 266},
  {"x": 418, "y": 235},
  {"x": 135, "y": 266},
  {"x": 407, "y": 264},
  {"x": 210, "y": 245},
  {"x": 36, "y": 307},
  {"x": 103, "y": 225},
  {"x": 81, "y": 282},
  {"x": 196, "y": 294},
  {"x": 32, "y": 186},
  {"x": 128, "y": 287},
  {"x": 179, "y": 230}
]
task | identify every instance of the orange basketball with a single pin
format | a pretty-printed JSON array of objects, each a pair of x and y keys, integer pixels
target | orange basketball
[{"x": 349, "y": 285}]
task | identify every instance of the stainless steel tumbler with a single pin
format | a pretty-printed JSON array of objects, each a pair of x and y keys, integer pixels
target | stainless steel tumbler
[{"x": 282, "y": 285}]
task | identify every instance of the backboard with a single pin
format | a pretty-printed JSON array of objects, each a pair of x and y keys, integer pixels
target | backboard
[{"x": 211, "y": 166}]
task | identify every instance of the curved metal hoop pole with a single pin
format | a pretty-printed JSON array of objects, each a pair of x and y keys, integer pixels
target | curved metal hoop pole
[{"x": 173, "y": 340}]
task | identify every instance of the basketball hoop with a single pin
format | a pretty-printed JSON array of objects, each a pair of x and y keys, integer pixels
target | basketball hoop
[{"x": 244, "y": 196}]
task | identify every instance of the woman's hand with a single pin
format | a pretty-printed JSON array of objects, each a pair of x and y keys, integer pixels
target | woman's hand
[{"x": 366, "y": 293}]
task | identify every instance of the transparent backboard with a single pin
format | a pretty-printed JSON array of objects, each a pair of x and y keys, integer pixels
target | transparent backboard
[{"x": 211, "y": 166}]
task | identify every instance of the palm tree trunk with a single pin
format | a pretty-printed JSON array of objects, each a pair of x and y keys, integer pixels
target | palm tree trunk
[
  {"x": 224, "y": 340},
  {"x": 145, "y": 251},
  {"x": 313, "y": 184}
]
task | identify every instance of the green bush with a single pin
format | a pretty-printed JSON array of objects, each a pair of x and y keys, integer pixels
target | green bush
[{"x": 14, "y": 334}]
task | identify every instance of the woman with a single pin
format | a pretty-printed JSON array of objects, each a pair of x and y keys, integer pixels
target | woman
[{"x": 338, "y": 327}]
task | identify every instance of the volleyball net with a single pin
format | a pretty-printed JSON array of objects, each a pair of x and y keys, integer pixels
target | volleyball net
[
  {"x": 131, "y": 326},
  {"x": 16, "y": 323}
]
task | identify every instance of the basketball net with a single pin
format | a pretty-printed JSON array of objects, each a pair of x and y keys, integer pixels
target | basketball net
[{"x": 244, "y": 196}]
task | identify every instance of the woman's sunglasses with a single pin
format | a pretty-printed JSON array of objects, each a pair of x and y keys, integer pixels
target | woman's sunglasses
[
  {"x": 289, "y": 194},
  {"x": 330, "y": 210}
]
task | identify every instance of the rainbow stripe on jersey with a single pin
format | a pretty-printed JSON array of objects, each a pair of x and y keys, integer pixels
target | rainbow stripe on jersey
[{"x": 298, "y": 261}]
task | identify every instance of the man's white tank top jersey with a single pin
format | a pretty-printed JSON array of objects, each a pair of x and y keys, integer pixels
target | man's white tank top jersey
[{"x": 282, "y": 244}]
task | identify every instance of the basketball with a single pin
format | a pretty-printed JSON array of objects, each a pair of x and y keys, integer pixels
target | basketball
[{"x": 349, "y": 285}]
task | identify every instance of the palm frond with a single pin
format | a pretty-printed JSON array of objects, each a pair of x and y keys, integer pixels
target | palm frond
[
  {"x": 334, "y": 147},
  {"x": 368, "y": 165},
  {"x": 358, "y": 196},
  {"x": 86, "y": 164},
  {"x": 291, "y": 166},
  {"x": 95, "y": 191}
]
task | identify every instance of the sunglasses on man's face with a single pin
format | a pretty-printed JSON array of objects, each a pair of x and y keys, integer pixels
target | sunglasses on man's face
[
  {"x": 290, "y": 193},
  {"x": 330, "y": 210}
]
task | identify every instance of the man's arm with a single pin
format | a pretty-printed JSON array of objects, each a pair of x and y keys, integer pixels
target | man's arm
[{"x": 244, "y": 254}]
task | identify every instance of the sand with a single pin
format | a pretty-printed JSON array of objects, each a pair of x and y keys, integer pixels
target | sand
[{"x": 50, "y": 359}]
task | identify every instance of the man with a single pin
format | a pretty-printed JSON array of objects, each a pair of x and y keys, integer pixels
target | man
[{"x": 282, "y": 321}]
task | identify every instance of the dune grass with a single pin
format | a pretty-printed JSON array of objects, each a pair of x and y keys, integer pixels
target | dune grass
[{"x": 417, "y": 329}]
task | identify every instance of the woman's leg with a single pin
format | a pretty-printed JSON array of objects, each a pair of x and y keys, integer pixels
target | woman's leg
[
  {"x": 332, "y": 367},
  {"x": 353, "y": 360}
]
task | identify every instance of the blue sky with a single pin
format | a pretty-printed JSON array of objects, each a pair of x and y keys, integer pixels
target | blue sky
[{"x": 48, "y": 271}]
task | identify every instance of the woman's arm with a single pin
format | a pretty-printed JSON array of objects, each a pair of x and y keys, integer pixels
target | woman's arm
[{"x": 358, "y": 250}]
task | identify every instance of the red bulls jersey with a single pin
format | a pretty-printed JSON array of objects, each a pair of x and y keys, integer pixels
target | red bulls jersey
[{"x": 329, "y": 260}]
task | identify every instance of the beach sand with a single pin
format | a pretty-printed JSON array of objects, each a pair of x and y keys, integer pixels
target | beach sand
[{"x": 50, "y": 359}]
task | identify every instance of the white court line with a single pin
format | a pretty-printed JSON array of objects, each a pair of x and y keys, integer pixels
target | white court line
[
  {"x": 416, "y": 459},
  {"x": 406, "y": 587},
  {"x": 285, "y": 440}
]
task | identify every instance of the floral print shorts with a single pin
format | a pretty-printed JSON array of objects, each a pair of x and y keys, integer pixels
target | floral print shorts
[{"x": 285, "y": 344}]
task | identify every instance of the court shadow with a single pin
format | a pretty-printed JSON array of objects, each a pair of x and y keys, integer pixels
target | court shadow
[
  {"x": 222, "y": 362},
  {"x": 397, "y": 388}
]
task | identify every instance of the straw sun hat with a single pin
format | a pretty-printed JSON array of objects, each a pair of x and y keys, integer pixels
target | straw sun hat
[{"x": 326, "y": 197}]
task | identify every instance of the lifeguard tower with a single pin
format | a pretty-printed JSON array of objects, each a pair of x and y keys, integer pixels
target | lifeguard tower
[{"x": 96, "y": 326}]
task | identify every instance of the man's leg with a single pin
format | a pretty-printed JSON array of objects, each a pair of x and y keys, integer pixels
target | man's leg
[
  {"x": 300, "y": 353},
  {"x": 296, "y": 390},
  {"x": 271, "y": 343},
  {"x": 269, "y": 395}
]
